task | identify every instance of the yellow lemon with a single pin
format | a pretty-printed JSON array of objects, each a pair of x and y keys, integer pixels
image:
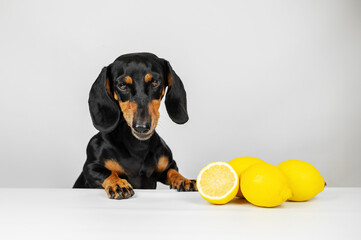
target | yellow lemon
[
  {"x": 240, "y": 164},
  {"x": 265, "y": 185},
  {"x": 218, "y": 183},
  {"x": 305, "y": 180}
]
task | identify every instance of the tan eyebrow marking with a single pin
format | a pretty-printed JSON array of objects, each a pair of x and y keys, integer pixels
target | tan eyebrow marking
[
  {"x": 148, "y": 77},
  {"x": 128, "y": 80}
]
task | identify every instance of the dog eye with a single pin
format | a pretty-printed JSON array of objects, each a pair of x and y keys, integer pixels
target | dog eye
[
  {"x": 155, "y": 83},
  {"x": 123, "y": 86}
]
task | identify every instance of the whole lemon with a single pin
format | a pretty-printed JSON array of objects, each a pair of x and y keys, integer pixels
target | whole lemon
[
  {"x": 240, "y": 164},
  {"x": 305, "y": 180},
  {"x": 265, "y": 185}
]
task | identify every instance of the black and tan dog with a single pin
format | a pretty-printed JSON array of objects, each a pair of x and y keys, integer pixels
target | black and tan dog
[{"x": 127, "y": 152}]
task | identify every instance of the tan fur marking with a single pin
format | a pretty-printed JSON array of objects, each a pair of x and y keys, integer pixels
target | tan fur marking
[
  {"x": 174, "y": 178},
  {"x": 107, "y": 86},
  {"x": 170, "y": 80},
  {"x": 153, "y": 109},
  {"x": 116, "y": 97},
  {"x": 128, "y": 80},
  {"x": 162, "y": 163},
  {"x": 110, "y": 180},
  {"x": 148, "y": 77},
  {"x": 129, "y": 109},
  {"x": 112, "y": 165}
]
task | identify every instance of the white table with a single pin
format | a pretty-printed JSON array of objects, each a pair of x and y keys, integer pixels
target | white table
[{"x": 166, "y": 214}]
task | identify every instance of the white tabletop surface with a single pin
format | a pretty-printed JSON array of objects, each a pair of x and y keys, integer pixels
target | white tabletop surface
[{"x": 166, "y": 214}]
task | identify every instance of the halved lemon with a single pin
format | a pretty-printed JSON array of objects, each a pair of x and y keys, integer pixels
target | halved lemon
[{"x": 218, "y": 183}]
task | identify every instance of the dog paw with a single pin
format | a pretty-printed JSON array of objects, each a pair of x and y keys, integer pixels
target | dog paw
[
  {"x": 184, "y": 185},
  {"x": 118, "y": 188}
]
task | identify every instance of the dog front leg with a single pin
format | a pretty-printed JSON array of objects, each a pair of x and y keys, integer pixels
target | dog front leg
[
  {"x": 176, "y": 181},
  {"x": 115, "y": 187}
]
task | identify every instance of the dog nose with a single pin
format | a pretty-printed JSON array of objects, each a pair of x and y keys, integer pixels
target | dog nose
[{"x": 141, "y": 127}]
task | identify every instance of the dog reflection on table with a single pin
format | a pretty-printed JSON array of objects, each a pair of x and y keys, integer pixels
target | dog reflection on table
[{"x": 127, "y": 152}]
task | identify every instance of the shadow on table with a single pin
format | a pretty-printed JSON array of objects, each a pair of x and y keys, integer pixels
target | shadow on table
[{"x": 238, "y": 200}]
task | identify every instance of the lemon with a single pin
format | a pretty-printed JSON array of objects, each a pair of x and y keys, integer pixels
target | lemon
[
  {"x": 218, "y": 183},
  {"x": 305, "y": 180},
  {"x": 265, "y": 185},
  {"x": 240, "y": 164}
]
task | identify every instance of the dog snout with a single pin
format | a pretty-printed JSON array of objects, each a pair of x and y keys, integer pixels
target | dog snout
[{"x": 141, "y": 127}]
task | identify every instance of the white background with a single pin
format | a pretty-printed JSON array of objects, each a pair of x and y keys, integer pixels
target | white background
[{"x": 276, "y": 80}]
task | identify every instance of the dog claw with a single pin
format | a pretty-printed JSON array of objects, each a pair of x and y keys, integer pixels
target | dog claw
[
  {"x": 181, "y": 188},
  {"x": 111, "y": 194}
]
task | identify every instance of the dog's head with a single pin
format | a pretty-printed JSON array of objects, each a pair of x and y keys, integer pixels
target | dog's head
[{"x": 132, "y": 88}]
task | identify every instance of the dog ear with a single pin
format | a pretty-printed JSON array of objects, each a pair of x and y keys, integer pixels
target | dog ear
[
  {"x": 176, "y": 99},
  {"x": 103, "y": 109}
]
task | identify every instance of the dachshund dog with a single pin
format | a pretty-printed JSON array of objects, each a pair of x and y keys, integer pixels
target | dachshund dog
[{"x": 124, "y": 105}]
